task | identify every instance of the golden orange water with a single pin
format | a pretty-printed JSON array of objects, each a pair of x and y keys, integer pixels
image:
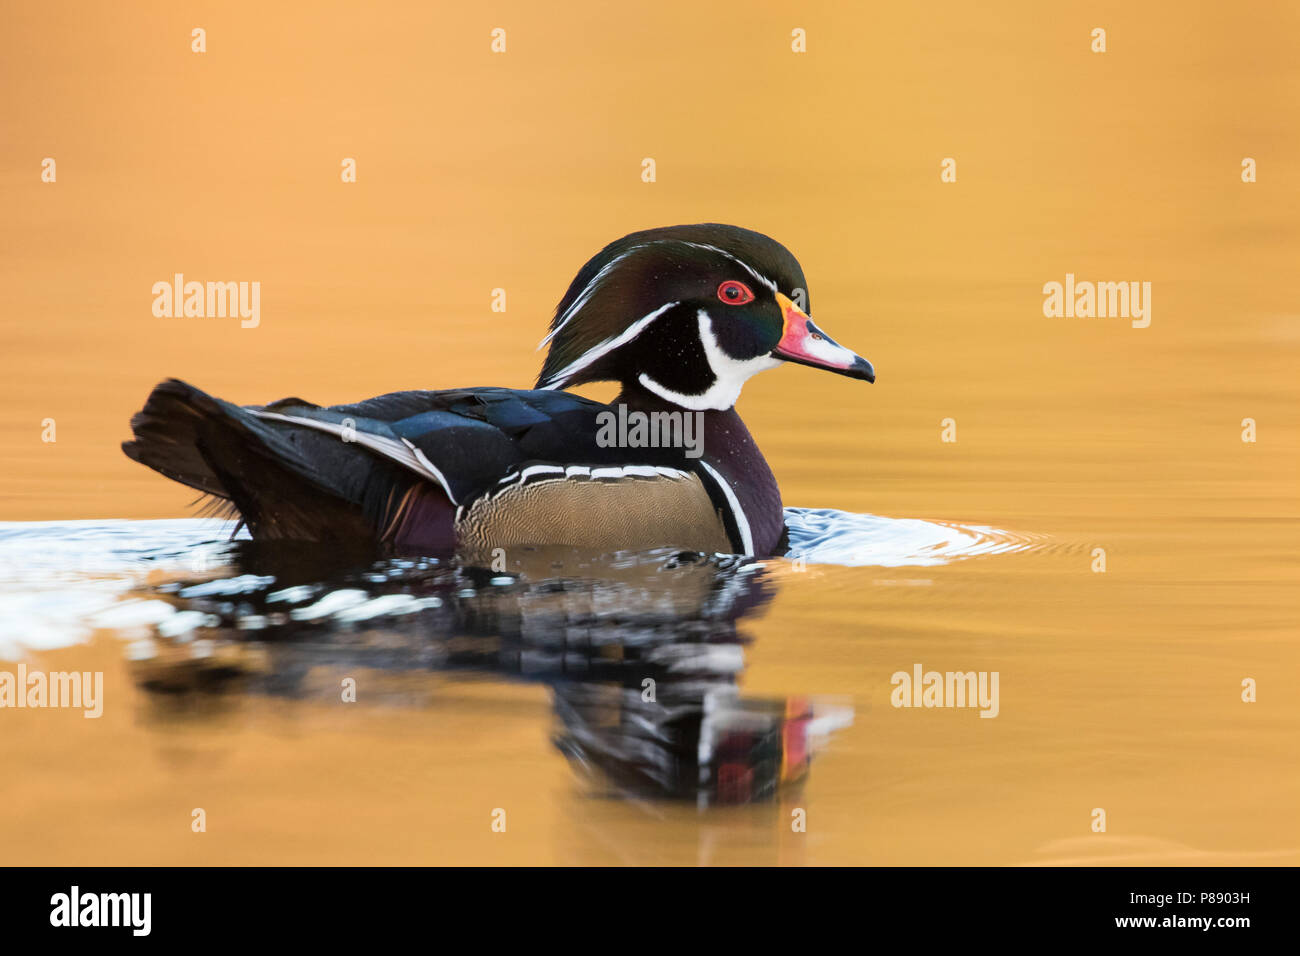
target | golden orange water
[{"x": 479, "y": 171}]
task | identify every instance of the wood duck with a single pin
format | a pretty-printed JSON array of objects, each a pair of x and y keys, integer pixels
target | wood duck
[{"x": 680, "y": 316}]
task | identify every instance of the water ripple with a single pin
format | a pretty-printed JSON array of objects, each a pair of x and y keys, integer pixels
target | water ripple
[
  {"x": 826, "y": 536},
  {"x": 62, "y": 580}
]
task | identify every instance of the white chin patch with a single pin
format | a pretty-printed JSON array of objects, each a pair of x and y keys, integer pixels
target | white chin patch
[{"x": 729, "y": 374}]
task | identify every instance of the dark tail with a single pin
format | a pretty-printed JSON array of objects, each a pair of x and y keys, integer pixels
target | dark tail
[{"x": 284, "y": 481}]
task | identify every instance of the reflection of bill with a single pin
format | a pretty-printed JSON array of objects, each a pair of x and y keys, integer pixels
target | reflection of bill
[
  {"x": 642, "y": 652},
  {"x": 754, "y": 748},
  {"x": 701, "y": 742}
]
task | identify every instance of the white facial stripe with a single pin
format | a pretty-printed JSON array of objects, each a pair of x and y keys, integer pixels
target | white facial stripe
[
  {"x": 740, "y": 262},
  {"x": 729, "y": 374},
  {"x": 742, "y": 523},
  {"x": 590, "y": 289},
  {"x": 587, "y": 292},
  {"x": 604, "y": 348}
]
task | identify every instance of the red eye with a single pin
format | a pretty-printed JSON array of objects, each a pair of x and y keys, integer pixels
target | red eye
[{"x": 735, "y": 293}]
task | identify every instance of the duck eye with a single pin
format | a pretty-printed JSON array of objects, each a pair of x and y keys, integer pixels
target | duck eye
[{"x": 735, "y": 293}]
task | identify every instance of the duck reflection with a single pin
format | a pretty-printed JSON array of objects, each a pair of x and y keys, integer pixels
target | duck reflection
[{"x": 641, "y": 651}]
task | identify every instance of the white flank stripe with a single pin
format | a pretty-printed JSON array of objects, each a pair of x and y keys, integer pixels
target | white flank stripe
[
  {"x": 540, "y": 470},
  {"x": 746, "y": 537},
  {"x": 403, "y": 452},
  {"x": 586, "y": 471},
  {"x": 433, "y": 469},
  {"x": 546, "y": 474}
]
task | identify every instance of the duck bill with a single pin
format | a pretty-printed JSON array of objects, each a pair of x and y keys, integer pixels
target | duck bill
[{"x": 803, "y": 342}]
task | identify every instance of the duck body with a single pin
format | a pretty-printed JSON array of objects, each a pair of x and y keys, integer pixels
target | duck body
[{"x": 482, "y": 470}]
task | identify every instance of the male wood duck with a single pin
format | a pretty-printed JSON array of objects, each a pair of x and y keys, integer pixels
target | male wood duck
[{"x": 680, "y": 316}]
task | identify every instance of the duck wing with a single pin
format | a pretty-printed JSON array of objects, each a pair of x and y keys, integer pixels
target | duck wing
[{"x": 422, "y": 468}]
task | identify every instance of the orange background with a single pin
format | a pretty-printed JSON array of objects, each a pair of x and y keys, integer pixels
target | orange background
[{"x": 479, "y": 171}]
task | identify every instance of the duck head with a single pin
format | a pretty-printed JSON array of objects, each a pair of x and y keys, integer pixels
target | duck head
[{"x": 689, "y": 313}]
